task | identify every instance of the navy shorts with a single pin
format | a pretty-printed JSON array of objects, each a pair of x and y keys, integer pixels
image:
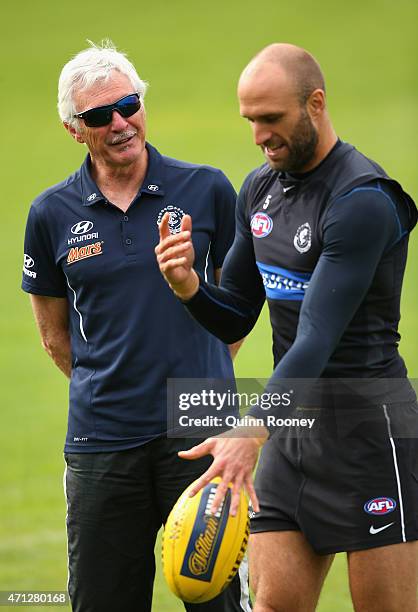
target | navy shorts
[
  {"x": 116, "y": 504},
  {"x": 349, "y": 484}
]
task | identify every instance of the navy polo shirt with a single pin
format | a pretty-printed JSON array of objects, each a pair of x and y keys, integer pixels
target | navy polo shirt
[{"x": 128, "y": 331}]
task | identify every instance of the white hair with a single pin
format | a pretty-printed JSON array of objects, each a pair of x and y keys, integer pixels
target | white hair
[{"x": 86, "y": 68}]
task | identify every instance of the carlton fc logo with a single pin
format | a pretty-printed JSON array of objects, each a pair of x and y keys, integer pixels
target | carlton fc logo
[
  {"x": 174, "y": 222},
  {"x": 261, "y": 225},
  {"x": 303, "y": 238}
]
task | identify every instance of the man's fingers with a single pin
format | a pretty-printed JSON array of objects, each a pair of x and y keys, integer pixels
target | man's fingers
[
  {"x": 167, "y": 239},
  {"x": 171, "y": 240},
  {"x": 231, "y": 472},
  {"x": 221, "y": 490},
  {"x": 236, "y": 494},
  {"x": 174, "y": 251},
  {"x": 204, "y": 448},
  {"x": 173, "y": 263},
  {"x": 202, "y": 481},
  {"x": 163, "y": 228},
  {"x": 249, "y": 487},
  {"x": 186, "y": 224}
]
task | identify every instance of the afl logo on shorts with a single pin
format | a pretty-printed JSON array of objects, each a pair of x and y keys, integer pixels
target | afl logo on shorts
[
  {"x": 174, "y": 222},
  {"x": 303, "y": 238},
  {"x": 380, "y": 505},
  {"x": 261, "y": 225}
]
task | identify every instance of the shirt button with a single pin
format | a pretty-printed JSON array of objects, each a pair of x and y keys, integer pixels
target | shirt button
[
  {"x": 126, "y": 218},
  {"x": 128, "y": 241}
]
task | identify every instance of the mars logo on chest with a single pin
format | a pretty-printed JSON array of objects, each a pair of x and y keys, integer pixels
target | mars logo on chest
[
  {"x": 90, "y": 250},
  {"x": 261, "y": 225},
  {"x": 380, "y": 505}
]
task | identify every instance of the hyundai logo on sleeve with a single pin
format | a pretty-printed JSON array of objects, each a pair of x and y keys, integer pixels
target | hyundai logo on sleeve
[
  {"x": 28, "y": 261},
  {"x": 27, "y": 264},
  {"x": 82, "y": 227}
]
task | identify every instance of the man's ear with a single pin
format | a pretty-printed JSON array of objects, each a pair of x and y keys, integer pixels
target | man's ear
[
  {"x": 316, "y": 103},
  {"x": 73, "y": 132}
]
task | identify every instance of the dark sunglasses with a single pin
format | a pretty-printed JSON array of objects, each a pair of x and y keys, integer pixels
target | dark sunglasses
[{"x": 102, "y": 115}]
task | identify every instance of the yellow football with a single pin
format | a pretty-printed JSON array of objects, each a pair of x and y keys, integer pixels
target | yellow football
[{"x": 202, "y": 551}]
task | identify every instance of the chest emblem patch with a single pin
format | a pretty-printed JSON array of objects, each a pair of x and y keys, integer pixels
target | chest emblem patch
[
  {"x": 303, "y": 238},
  {"x": 261, "y": 225},
  {"x": 174, "y": 222}
]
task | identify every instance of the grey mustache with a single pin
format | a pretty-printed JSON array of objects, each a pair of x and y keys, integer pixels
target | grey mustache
[{"x": 123, "y": 136}]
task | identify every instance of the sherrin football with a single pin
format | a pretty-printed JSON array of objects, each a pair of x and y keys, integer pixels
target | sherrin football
[{"x": 202, "y": 551}]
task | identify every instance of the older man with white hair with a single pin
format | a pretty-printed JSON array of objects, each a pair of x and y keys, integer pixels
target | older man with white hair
[{"x": 111, "y": 324}]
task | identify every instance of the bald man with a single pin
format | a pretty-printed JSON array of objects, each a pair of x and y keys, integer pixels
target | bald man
[{"x": 322, "y": 233}]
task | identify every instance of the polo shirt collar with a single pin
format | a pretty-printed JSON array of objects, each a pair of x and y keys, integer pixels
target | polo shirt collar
[{"x": 152, "y": 183}]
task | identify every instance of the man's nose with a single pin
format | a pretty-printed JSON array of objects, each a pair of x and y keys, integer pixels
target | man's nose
[
  {"x": 261, "y": 133},
  {"x": 118, "y": 122}
]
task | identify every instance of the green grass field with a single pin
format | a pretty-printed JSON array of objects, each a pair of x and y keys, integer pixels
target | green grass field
[{"x": 192, "y": 54}]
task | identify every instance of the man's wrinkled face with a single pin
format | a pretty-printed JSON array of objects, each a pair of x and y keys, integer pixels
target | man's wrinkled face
[
  {"x": 122, "y": 141},
  {"x": 281, "y": 126}
]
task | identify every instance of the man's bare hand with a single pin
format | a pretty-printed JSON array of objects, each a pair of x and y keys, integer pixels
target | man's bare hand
[
  {"x": 175, "y": 256},
  {"x": 234, "y": 460}
]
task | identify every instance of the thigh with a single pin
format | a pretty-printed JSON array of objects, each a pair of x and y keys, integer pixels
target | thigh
[
  {"x": 172, "y": 475},
  {"x": 235, "y": 598},
  {"x": 286, "y": 574},
  {"x": 111, "y": 531},
  {"x": 278, "y": 484},
  {"x": 385, "y": 579},
  {"x": 361, "y": 488}
]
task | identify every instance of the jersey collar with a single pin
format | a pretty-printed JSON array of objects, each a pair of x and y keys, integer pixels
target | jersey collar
[
  {"x": 288, "y": 178},
  {"x": 152, "y": 184}
]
